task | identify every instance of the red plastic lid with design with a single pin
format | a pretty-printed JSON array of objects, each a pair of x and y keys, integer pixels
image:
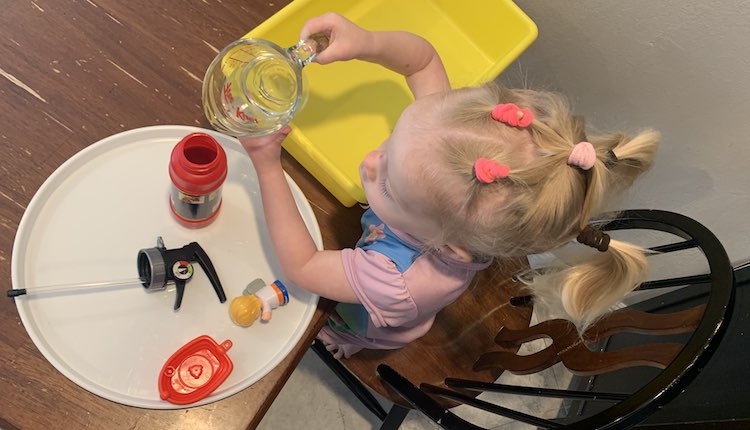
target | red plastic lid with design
[{"x": 195, "y": 370}]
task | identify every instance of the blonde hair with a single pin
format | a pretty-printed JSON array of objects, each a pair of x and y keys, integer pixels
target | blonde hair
[{"x": 544, "y": 203}]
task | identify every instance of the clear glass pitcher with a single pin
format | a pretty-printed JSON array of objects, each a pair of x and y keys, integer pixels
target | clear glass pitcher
[{"x": 254, "y": 87}]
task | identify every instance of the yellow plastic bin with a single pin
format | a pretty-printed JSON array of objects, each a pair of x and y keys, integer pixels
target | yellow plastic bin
[{"x": 354, "y": 105}]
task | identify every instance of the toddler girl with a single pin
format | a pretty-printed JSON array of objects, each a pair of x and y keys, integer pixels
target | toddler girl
[{"x": 467, "y": 176}]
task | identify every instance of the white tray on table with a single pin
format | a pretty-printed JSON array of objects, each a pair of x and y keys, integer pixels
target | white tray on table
[{"x": 87, "y": 223}]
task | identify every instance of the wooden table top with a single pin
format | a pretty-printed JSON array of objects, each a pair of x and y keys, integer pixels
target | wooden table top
[{"x": 71, "y": 73}]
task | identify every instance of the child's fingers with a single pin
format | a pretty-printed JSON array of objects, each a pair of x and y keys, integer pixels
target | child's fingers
[
  {"x": 279, "y": 136},
  {"x": 283, "y": 133},
  {"x": 273, "y": 139},
  {"x": 338, "y": 29},
  {"x": 319, "y": 24}
]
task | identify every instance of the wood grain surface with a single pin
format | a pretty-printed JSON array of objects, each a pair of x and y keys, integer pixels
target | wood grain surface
[{"x": 71, "y": 73}]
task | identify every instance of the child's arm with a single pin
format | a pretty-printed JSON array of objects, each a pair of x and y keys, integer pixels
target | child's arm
[
  {"x": 403, "y": 52},
  {"x": 320, "y": 272}
]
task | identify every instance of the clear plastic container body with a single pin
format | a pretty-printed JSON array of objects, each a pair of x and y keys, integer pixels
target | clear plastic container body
[{"x": 254, "y": 87}]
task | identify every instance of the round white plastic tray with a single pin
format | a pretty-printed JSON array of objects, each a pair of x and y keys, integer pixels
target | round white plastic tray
[{"x": 87, "y": 223}]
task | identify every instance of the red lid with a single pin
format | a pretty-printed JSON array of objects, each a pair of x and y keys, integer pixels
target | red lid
[
  {"x": 195, "y": 371},
  {"x": 198, "y": 164}
]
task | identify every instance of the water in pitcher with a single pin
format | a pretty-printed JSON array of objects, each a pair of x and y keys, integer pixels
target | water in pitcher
[
  {"x": 254, "y": 87},
  {"x": 250, "y": 88}
]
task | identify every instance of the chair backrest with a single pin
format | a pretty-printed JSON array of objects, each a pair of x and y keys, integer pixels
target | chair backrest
[
  {"x": 680, "y": 361},
  {"x": 573, "y": 349}
]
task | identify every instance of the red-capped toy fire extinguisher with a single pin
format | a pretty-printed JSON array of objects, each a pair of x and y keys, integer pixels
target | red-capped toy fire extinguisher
[{"x": 197, "y": 168}]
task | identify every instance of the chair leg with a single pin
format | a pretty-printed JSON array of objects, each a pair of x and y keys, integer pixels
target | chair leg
[
  {"x": 395, "y": 417},
  {"x": 352, "y": 383}
]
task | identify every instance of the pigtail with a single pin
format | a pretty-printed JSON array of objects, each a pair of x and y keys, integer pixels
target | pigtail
[
  {"x": 586, "y": 291},
  {"x": 590, "y": 289},
  {"x": 626, "y": 158}
]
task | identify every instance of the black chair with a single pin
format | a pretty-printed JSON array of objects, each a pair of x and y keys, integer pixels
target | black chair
[{"x": 673, "y": 363}]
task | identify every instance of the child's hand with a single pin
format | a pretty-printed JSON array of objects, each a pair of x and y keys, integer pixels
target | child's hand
[
  {"x": 346, "y": 39},
  {"x": 403, "y": 52},
  {"x": 265, "y": 149}
]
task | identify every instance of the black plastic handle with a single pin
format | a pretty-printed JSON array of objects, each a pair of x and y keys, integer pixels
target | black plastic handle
[
  {"x": 208, "y": 267},
  {"x": 192, "y": 253}
]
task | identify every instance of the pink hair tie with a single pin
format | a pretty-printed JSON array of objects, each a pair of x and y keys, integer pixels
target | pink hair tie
[
  {"x": 512, "y": 115},
  {"x": 488, "y": 171},
  {"x": 583, "y": 155}
]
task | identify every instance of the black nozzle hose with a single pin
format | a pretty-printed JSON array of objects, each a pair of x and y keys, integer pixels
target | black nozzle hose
[{"x": 16, "y": 292}]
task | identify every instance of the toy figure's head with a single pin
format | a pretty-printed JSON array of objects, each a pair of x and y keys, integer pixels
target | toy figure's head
[{"x": 244, "y": 310}]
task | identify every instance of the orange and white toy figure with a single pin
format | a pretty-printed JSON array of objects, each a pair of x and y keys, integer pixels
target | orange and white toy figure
[{"x": 258, "y": 299}]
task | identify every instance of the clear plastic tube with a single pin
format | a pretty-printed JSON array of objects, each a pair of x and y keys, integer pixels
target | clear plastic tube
[{"x": 74, "y": 287}]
